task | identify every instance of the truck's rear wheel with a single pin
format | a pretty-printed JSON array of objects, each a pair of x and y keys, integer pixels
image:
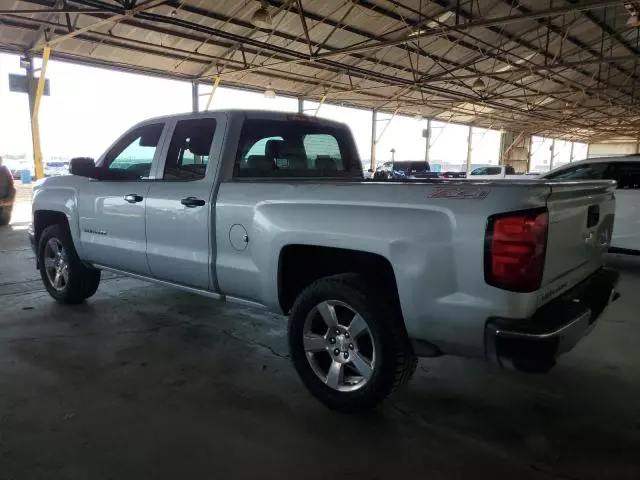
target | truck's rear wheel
[
  {"x": 348, "y": 344},
  {"x": 64, "y": 276}
]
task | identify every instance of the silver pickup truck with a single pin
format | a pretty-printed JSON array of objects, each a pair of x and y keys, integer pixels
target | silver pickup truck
[{"x": 271, "y": 210}]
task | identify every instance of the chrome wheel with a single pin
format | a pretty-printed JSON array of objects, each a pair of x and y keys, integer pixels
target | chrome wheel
[
  {"x": 339, "y": 346},
  {"x": 56, "y": 264}
]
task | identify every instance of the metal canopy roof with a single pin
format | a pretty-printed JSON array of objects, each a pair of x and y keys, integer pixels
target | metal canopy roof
[{"x": 563, "y": 68}]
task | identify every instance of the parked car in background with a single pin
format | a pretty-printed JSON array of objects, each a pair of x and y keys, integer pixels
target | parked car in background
[
  {"x": 404, "y": 170},
  {"x": 52, "y": 169},
  {"x": 17, "y": 166},
  {"x": 624, "y": 170},
  {"x": 452, "y": 175},
  {"x": 7, "y": 194},
  {"x": 494, "y": 172}
]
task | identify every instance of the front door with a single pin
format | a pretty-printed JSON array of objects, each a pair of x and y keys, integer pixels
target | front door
[
  {"x": 112, "y": 209},
  {"x": 179, "y": 212}
]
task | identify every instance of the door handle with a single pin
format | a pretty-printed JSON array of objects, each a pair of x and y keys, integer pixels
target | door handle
[
  {"x": 133, "y": 198},
  {"x": 192, "y": 202}
]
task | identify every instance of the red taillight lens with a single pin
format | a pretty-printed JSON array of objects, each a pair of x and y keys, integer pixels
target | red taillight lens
[{"x": 515, "y": 249}]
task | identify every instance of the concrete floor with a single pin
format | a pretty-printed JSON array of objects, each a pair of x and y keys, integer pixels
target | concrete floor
[{"x": 146, "y": 382}]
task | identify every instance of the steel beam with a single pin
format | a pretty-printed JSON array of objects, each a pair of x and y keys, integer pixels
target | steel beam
[
  {"x": 374, "y": 141},
  {"x": 195, "y": 96},
  {"x": 114, "y": 18}
]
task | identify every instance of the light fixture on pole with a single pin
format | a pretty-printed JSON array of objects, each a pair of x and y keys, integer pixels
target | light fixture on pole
[
  {"x": 269, "y": 92},
  {"x": 261, "y": 18},
  {"x": 479, "y": 85}
]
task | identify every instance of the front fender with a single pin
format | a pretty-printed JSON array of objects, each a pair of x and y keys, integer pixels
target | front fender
[{"x": 58, "y": 198}]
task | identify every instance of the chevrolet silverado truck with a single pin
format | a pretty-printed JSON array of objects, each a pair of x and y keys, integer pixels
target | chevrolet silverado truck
[{"x": 270, "y": 210}]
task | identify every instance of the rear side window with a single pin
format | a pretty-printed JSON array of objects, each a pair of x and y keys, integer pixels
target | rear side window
[
  {"x": 295, "y": 148},
  {"x": 188, "y": 154},
  {"x": 590, "y": 171}
]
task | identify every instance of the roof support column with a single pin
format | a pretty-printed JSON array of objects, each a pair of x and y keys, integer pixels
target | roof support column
[
  {"x": 427, "y": 138},
  {"x": 515, "y": 150},
  {"x": 553, "y": 153},
  {"x": 195, "y": 97},
  {"x": 300, "y": 105},
  {"x": 469, "y": 148},
  {"x": 35, "y": 92},
  {"x": 571, "y": 153},
  {"x": 374, "y": 121}
]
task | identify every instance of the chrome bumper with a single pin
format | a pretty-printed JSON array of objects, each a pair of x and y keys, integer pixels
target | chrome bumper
[{"x": 556, "y": 327}]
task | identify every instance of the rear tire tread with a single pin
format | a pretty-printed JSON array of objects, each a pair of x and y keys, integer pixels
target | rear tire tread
[{"x": 400, "y": 356}]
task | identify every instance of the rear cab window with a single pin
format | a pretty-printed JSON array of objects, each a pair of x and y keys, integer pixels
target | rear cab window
[{"x": 295, "y": 148}]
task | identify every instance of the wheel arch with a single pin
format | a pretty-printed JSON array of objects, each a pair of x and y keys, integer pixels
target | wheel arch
[{"x": 299, "y": 265}]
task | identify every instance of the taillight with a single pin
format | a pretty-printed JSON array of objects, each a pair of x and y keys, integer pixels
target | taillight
[{"x": 515, "y": 247}]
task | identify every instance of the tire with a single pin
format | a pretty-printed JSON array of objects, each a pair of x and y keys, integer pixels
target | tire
[
  {"x": 378, "y": 338},
  {"x": 538, "y": 365},
  {"x": 5, "y": 215},
  {"x": 64, "y": 275}
]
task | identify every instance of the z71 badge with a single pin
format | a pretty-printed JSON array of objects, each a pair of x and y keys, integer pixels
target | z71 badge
[{"x": 464, "y": 193}]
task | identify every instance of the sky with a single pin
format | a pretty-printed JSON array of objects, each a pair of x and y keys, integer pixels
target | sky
[{"x": 89, "y": 108}]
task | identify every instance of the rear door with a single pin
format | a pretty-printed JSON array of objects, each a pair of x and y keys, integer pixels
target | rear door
[
  {"x": 112, "y": 212},
  {"x": 179, "y": 215}
]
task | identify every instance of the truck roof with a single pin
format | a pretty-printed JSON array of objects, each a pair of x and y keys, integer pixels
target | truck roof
[{"x": 262, "y": 114}]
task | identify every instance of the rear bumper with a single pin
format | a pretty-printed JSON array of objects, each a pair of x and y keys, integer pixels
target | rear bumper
[{"x": 556, "y": 327}]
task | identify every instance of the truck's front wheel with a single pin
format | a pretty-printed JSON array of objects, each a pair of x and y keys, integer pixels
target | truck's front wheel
[
  {"x": 64, "y": 275},
  {"x": 347, "y": 343}
]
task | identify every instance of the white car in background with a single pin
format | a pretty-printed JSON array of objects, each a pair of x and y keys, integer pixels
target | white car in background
[
  {"x": 495, "y": 172},
  {"x": 626, "y": 171},
  {"x": 52, "y": 169}
]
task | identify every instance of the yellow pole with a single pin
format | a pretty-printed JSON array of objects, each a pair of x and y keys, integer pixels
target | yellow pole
[
  {"x": 35, "y": 130},
  {"x": 213, "y": 90},
  {"x": 322, "y": 99}
]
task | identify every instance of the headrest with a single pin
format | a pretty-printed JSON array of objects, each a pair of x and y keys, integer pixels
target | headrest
[
  {"x": 272, "y": 148},
  {"x": 260, "y": 162},
  {"x": 200, "y": 144},
  {"x": 326, "y": 163}
]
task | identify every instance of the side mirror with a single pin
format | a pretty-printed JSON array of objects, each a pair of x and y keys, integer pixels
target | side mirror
[
  {"x": 370, "y": 170},
  {"x": 83, "y": 167}
]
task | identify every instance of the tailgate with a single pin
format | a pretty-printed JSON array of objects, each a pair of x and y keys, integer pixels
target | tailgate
[{"x": 580, "y": 226}]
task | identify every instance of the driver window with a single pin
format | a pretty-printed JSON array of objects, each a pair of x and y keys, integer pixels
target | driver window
[{"x": 132, "y": 157}]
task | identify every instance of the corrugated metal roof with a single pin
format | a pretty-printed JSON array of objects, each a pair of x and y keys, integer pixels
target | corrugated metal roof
[{"x": 568, "y": 70}]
